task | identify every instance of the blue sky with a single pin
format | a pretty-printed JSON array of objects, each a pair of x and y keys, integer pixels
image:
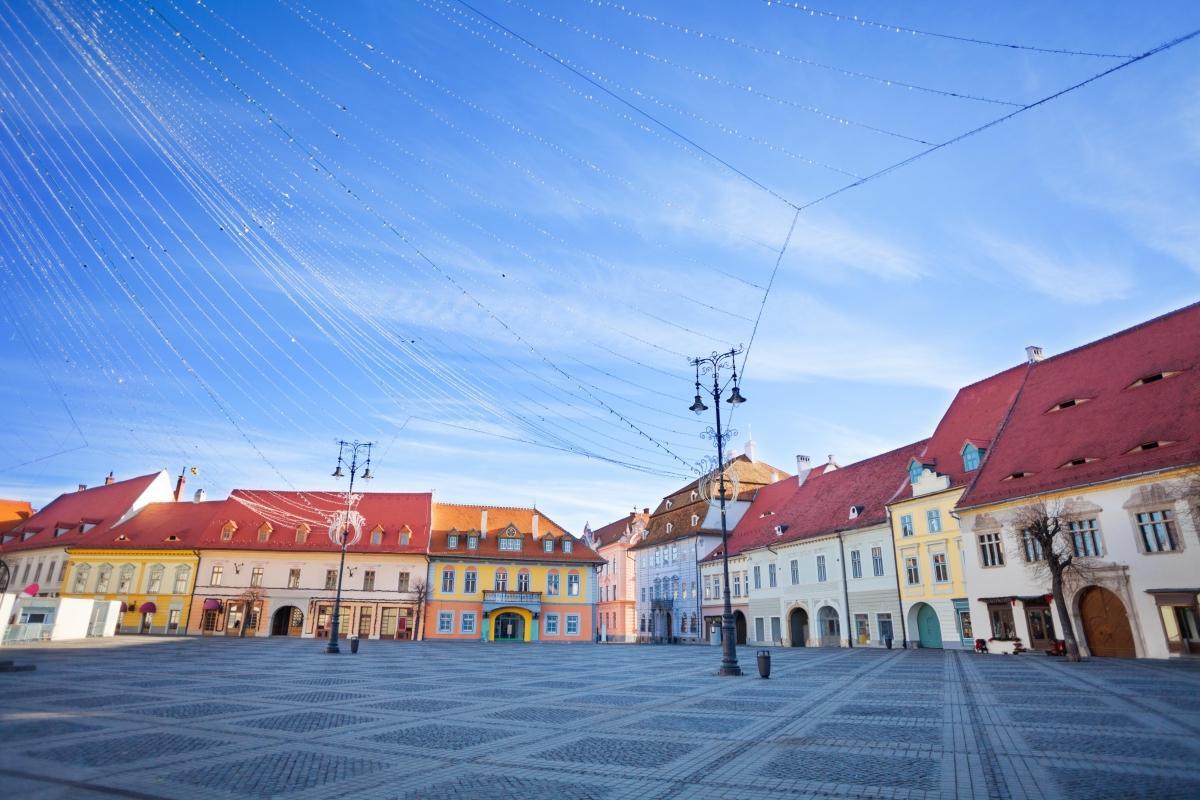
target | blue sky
[{"x": 233, "y": 233}]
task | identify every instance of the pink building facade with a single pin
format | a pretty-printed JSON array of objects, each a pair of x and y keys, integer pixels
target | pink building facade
[{"x": 616, "y": 601}]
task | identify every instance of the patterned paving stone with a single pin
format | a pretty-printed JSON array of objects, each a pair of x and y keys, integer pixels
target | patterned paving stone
[
  {"x": 506, "y": 788},
  {"x": 14, "y": 733},
  {"x": 838, "y": 767},
  {"x": 277, "y": 774},
  {"x": 1054, "y": 716},
  {"x": 600, "y": 751},
  {"x": 864, "y": 732},
  {"x": 442, "y": 737},
  {"x": 1088, "y": 784},
  {"x": 307, "y": 722},
  {"x": 693, "y": 723},
  {"x": 199, "y": 710},
  {"x": 1156, "y": 748},
  {"x": 125, "y": 749},
  {"x": 419, "y": 704},
  {"x": 893, "y": 707},
  {"x": 316, "y": 698},
  {"x": 545, "y": 715}
]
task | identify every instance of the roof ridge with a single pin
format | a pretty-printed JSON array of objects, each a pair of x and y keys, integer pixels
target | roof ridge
[
  {"x": 1124, "y": 331},
  {"x": 1000, "y": 429}
]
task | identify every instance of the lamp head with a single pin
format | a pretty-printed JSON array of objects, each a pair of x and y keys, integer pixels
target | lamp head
[
  {"x": 337, "y": 473},
  {"x": 735, "y": 397},
  {"x": 366, "y": 476},
  {"x": 698, "y": 406}
]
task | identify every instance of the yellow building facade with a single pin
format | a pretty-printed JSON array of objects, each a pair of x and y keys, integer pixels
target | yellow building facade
[{"x": 154, "y": 587}]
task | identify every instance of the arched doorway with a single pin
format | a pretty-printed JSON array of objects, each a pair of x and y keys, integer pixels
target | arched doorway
[
  {"x": 508, "y": 627},
  {"x": 798, "y": 627},
  {"x": 831, "y": 627},
  {"x": 929, "y": 630},
  {"x": 739, "y": 626},
  {"x": 668, "y": 631},
  {"x": 1105, "y": 624},
  {"x": 287, "y": 621}
]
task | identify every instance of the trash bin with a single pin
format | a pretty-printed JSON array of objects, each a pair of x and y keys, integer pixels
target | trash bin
[
  {"x": 887, "y": 641},
  {"x": 764, "y": 663},
  {"x": 354, "y": 644}
]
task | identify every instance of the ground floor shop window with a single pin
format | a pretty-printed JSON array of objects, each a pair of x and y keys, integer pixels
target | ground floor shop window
[
  {"x": 173, "y": 619},
  {"x": 885, "y": 625},
  {"x": 1001, "y": 617},
  {"x": 862, "y": 628},
  {"x": 364, "y": 622}
]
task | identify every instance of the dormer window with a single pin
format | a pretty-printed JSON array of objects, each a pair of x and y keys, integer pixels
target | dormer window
[
  {"x": 472, "y": 542},
  {"x": 377, "y": 535},
  {"x": 567, "y": 545},
  {"x": 669, "y": 503},
  {"x": 302, "y": 533},
  {"x": 780, "y": 530},
  {"x": 1012, "y": 476},
  {"x": 122, "y": 538},
  {"x": 694, "y": 495},
  {"x": 63, "y": 530},
  {"x": 669, "y": 527},
  {"x": 1065, "y": 404},
  {"x": 1076, "y": 462},
  {"x": 1154, "y": 377},
  {"x": 27, "y": 535},
  {"x": 227, "y": 531},
  {"x": 971, "y": 456},
  {"x": 855, "y": 511},
  {"x": 84, "y": 527},
  {"x": 766, "y": 514},
  {"x": 1154, "y": 445},
  {"x": 914, "y": 471},
  {"x": 172, "y": 538},
  {"x": 695, "y": 520},
  {"x": 264, "y": 533},
  {"x": 548, "y": 544},
  {"x": 452, "y": 541}
]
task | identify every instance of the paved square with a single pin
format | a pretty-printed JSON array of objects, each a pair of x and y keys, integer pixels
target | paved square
[{"x": 218, "y": 718}]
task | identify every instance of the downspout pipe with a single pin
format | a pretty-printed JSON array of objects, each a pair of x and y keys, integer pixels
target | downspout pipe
[
  {"x": 846, "y": 593},
  {"x": 899, "y": 600}
]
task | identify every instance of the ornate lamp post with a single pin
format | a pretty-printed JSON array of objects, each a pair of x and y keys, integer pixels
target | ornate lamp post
[
  {"x": 344, "y": 521},
  {"x": 706, "y": 364}
]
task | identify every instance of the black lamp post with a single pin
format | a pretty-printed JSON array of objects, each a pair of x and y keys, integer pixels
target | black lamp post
[
  {"x": 712, "y": 363},
  {"x": 343, "y": 536}
]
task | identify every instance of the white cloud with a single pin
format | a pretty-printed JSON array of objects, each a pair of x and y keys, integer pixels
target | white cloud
[{"x": 1070, "y": 278}]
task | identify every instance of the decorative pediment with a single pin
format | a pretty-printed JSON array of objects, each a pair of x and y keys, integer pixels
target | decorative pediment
[
  {"x": 511, "y": 531},
  {"x": 1153, "y": 494},
  {"x": 985, "y": 522},
  {"x": 1079, "y": 507}
]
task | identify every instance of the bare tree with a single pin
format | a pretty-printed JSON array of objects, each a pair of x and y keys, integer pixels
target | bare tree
[
  {"x": 1050, "y": 552},
  {"x": 420, "y": 593},
  {"x": 251, "y": 599}
]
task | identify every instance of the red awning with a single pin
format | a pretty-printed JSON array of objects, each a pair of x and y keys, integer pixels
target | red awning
[
  {"x": 31, "y": 589},
  {"x": 212, "y": 604},
  {"x": 147, "y": 608}
]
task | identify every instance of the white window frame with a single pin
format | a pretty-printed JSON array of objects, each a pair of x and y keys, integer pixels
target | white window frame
[
  {"x": 551, "y": 627},
  {"x": 572, "y": 626},
  {"x": 466, "y": 622},
  {"x": 445, "y": 622}
]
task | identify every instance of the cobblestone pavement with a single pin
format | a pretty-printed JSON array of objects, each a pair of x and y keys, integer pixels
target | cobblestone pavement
[{"x": 139, "y": 718}]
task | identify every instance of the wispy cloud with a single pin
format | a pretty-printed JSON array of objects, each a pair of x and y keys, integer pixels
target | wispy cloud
[{"x": 1067, "y": 277}]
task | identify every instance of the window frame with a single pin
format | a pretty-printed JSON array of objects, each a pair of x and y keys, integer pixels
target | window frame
[
  {"x": 912, "y": 571},
  {"x": 990, "y": 542},
  {"x": 1168, "y": 522},
  {"x": 906, "y": 525}
]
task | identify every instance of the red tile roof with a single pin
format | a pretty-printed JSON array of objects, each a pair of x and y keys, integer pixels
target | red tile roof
[
  {"x": 100, "y": 507},
  {"x": 13, "y": 513},
  {"x": 284, "y": 512},
  {"x": 822, "y": 505},
  {"x": 163, "y": 526},
  {"x": 466, "y": 519},
  {"x": 611, "y": 532},
  {"x": 974, "y": 416},
  {"x": 1116, "y": 418}
]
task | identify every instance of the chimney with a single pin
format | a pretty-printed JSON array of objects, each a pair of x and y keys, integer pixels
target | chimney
[
  {"x": 803, "y": 467},
  {"x": 751, "y": 451},
  {"x": 831, "y": 465},
  {"x": 1033, "y": 354},
  {"x": 200, "y": 496},
  {"x": 536, "y": 520},
  {"x": 82, "y": 487},
  {"x": 109, "y": 481},
  {"x": 483, "y": 528},
  {"x": 179, "y": 484}
]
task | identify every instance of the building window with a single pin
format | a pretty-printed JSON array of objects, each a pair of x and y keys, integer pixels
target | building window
[
  {"x": 500, "y": 582},
  {"x": 1001, "y": 617},
  {"x": 906, "y": 525},
  {"x": 301, "y": 534},
  {"x": 467, "y": 623},
  {"x": 760, "y": 633},
  {"x": 510, "y": 543},
  {"x": 472, "y": 542},
  {"x": 877, "y": 561},
  {"x": 821, "y": 575},
  {"x": 548, "y": 544},
  {"x": 1157, "y": 529},
  {"x": 737, "y": 584},
  {"x": 182, "y": 573},
  {"x": 331, "y": 576},
  {"x": 452, "y": 541},
  {"x": 552, "y": 584},
  {"x": 991, "y": 553},
  {"x": 674, "y": 553},
  {"x": 522, "y": 581},
  {"x": 552, "y": 624},
  {"x": 572, "y": 587},
  {"x": 970, "y": 455},
  {"x": 862, "y": 628},
  {"x": 377, "y": 536},
  {"x": 124, "y": 580},
  {"x": 446, "y": 621},
  {"x": 941, "y": 570},
  {"x": 470, "y": 582},
  {"x": 81, "y": 577},
  {"x": 448, "y": 580},
  {"x": 218, "y": 573},
  {"x": 402, "y": 582},
  {"x": 264, "y": 534},
  {"x": 772, "y": 581},
  {"x": 670, "y": 527},
  {"x": 855, "y": 564},
  {"x": 103, "y": 578},
  {"x": 914, "y": 472},
  {"x": 572, "y": 624},
  {"x": 369, "y": 580},
  {"x": 293, "y": 578},
  {"x": 795, "y": 565},
  {"x": 933, "y": 518},
  {"x": 1085, "y": 538},
  {"x": 912, "y": 572},
  {"x": 695, "y": 520},
  {"x": 568, "y": 545},
  {"x": 405, "y": 536},
  {"x": 1032, "y": 547},
  {"x": 757, "y": 577},
  {"x": 776, "y": 630},
  {"x": 256, "y": 576},
  {"x": 227, "y": 532},
  {"x": 173, "y": 619}
]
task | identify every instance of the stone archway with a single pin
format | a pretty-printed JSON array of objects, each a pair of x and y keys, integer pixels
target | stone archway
[
  {"x": 798, "y": 628},
  {"x": 830, "y": 627},
  {"x": 929, "y": 628},
  {"x": 1105, "y": 624},
  {"x": 508, "y": 627},
  {"x": 287, "y": 621}
]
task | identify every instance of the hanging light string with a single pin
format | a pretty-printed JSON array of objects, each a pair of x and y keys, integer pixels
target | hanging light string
[
  {"x": 729, "y": 40},
  {"x": 862, "y": 22}
]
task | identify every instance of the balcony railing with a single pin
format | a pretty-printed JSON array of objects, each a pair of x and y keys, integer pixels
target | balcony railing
[
  {"x": 516, "y": 598},
  {"x": 662, "y": 604}
]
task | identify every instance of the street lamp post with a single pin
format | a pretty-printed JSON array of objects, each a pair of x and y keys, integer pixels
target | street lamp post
[
  {"x": 345, "y": 449},
  {"x": 712, "y": 363}
]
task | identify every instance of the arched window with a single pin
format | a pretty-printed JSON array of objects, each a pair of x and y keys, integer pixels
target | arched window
[
  {"x": 695, "y": 520},
  {"x": 81, "y": 578},
  {"x": 501, "y": 581},
  {"x": 523, "y": 581},
  {"x": 182, "y": 573},
  {"x": 669, "y": 527},
  {"x": 377, "y": 535},
  {"x": 125, "y": 579},
  {"x": 552, "y": 587},
  {"x": 154, "y": 579},
  {"x": 302, "y": 531},
  {"x": 103, "y": 578}
]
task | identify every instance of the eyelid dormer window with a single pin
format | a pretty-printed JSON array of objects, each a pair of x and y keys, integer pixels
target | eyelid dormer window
[{"x": 1153, "y": 377}]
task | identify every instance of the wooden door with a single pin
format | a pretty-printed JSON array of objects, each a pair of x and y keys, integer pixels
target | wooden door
[
  {"x": 1105, "y": 624},
  {"x": 1041, "y": 626},
  {"x": 929, "y": 628}
]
